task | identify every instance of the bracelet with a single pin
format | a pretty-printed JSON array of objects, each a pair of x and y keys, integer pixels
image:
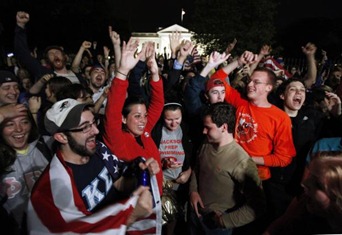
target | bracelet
[
  {"x": 121, "y": 73},
  {"x": 43, "y": 80}
]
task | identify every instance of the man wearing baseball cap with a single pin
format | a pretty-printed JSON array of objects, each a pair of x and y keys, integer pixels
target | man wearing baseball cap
[
  {"x": 79, "y": 189},
  {"x": 9, "y": 88},
  {"x": 9, "y": 93},
  {"x": 215, "y": 91}
]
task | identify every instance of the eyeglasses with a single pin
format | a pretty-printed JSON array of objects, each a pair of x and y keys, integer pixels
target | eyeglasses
[
  {"x": 256, "y": 82},
  {"x": 86, "y": 128}
]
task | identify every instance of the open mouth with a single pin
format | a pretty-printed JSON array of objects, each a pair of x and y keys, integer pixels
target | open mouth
[
  {"x": 297, "y": 100},
  {"x": 99, "y": 79},
  {"x": 91, "y": 142},
  {"x": 18, "y": 137},
  {"x": 11, "y": 97}
]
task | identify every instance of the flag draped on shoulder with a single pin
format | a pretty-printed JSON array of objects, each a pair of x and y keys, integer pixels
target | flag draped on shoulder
[{"x": 57, "y": 208}]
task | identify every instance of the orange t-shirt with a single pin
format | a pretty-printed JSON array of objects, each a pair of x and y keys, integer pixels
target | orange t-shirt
[{"x": 262, "y": 132}]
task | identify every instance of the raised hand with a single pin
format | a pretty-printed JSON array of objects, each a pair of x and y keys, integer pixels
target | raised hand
[
  {"x": 35, "y": 103},
  {"x": 175, "y": 38},
  {"x": 309, "y": 49},
  {"x": 114, "y": 36},
  {"x": 247, "y": 58},
  {"x": 151, "y": 59},
  {"x": 185, "y": 49},
  {"x": 86, "y": 45},
  {"x": 22, "y": 18},
  {"x": 128, "y": 58},
  {"x": 216, "y": 59}
]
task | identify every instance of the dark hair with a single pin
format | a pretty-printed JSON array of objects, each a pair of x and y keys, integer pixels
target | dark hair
[
  {"x": 222, "y": 113},
  {"x": 172, "y": 106},
  {"x": 282, "y": 87},
  {"x": 58, "y": 82},
  {"x": 129, "y": 102},
  {"x": 272, "y": 77},
  {"x": 34, "y": 132},
  {"x": 7, "y": 158},
  {"x": 46, "y": 51},
  {"x": 73, "y": 91}
]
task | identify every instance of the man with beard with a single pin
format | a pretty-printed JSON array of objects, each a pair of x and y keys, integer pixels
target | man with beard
[
  {"x": 84, "y": 188},
  {"x": 54, "y": 55}
]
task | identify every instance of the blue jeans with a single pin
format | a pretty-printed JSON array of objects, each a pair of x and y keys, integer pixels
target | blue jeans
[{"x": 197, "y": 227}]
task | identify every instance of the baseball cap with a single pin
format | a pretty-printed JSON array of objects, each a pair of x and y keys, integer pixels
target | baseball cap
[
  {"x": 213, "y": 82},
  {"x": 64, "y": 115},
  {"x": 7, "y": 76}
]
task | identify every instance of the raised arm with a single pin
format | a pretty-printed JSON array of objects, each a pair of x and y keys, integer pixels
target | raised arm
[
  {"x": 75, "y": 67},
  {"x": 21, "y": 48},
  {"x": 175, "y": 38},
  {"x": 106, "y": 51},
  {"x": 157, "y": 94},
  {"x": 115, "y": 37},
  {"x": 215, "y": 59},
  {"x": 246, "y": 58},
  {"x": 265, "y": 50},
  {"x": 309, "y": 50},
  {"x": 128, "y": 60},
  {"x": 38, "y": 85}
]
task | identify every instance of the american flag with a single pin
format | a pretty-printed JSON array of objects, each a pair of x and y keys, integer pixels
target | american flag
[
  {"x": 55, "y": 206},
  {"x": 271, "y": 63}
]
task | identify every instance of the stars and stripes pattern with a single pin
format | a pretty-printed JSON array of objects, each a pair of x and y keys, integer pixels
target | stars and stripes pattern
[
  {"x": 57, "y": 208},
  {"x": 272, "y": 64}
]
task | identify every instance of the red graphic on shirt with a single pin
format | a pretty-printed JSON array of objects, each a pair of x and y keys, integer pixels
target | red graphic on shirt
[
  {"x": 12, "y": 186},
  {"x": 246, "y": 129}
]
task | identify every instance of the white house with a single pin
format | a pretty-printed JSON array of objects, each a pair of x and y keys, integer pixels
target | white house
[{"x": 161, "y": 38}]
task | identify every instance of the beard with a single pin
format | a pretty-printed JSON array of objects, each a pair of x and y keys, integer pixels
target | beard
[
  {"x": 79, "y": 149},
  {"x": 58, "y": 63}
]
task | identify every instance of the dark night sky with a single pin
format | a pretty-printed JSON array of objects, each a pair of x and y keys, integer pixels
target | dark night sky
[{"x": 148, "y": 15}]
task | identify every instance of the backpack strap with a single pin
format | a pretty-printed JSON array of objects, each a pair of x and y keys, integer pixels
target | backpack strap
[{"x": 44, "y": 149}]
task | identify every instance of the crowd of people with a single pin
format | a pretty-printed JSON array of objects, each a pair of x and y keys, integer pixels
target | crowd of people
[{"x": 141, "y": 143}]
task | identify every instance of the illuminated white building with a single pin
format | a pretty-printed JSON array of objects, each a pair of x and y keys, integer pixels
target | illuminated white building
[{"x": 161, "y": 38}]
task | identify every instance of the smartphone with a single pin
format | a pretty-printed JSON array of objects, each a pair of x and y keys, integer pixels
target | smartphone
[{"x": 10, "y": 54}]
